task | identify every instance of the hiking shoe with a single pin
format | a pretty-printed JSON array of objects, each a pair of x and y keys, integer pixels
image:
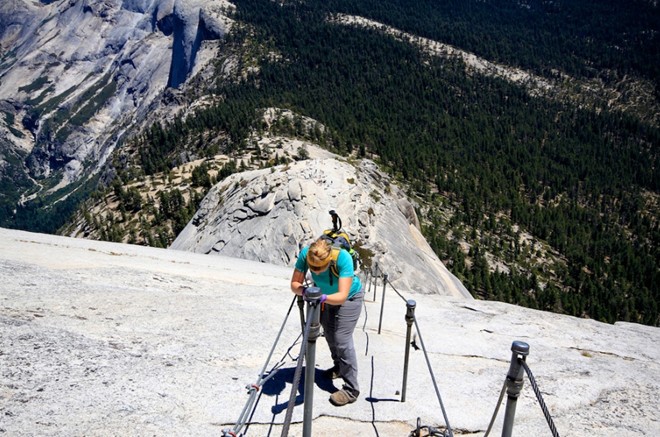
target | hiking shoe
[
  {"x": 332, "y": 373},
  {"x": 341, "y": 398}
]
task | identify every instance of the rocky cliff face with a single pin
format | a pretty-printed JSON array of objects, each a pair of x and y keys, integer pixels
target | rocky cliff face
[
  {"x": 76, "y": 74},
  {"x": 266, "y": 215}
]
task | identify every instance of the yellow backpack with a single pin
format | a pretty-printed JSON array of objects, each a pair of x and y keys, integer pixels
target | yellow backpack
[{"x": 339, "y": 239}]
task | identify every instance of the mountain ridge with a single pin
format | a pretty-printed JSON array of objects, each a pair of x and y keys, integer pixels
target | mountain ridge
[{"x": 536, "y": 201}]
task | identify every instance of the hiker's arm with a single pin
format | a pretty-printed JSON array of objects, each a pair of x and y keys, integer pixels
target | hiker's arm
[
  {"x": 341, "y": 295},
  {"x": 297, "y": 281}
]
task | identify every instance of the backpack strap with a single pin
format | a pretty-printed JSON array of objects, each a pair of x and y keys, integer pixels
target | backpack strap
[{"x": 334, "y": 271}]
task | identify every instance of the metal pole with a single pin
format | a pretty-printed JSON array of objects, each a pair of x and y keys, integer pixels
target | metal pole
[
  {"x": 313, "y": 295},
  {"x": 410, "y": 317},
  {"x": 382, "y": 303},
  {"x": 514, "y": 381},
  {"x": 301, "y": 308},
  {"x": 375, "y": 280}
]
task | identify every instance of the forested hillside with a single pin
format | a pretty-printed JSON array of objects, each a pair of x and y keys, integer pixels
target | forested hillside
[
  {"x": 606, "y": 39},
  {"x": 527, "y": 199},
  {"x": 583, "y": 182}
]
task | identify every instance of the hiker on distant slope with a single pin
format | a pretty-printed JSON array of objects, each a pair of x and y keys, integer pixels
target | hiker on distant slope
[{"x": 332, "y": 271}]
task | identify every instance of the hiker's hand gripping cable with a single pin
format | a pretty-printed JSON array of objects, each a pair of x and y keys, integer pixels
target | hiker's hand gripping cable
[
  {"x": 344, "y": 286},
  {"x": 313, "y": 298}
]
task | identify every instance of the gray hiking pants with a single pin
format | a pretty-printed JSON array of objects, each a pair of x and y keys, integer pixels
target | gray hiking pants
[{"x": 338, "y": 323}]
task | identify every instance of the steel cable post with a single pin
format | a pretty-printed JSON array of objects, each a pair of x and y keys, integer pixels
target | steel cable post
[
  {"x": 375, "y": 280},
  {"x": 296, "y": 381},
  {"x": 301, "y": 309},
  {"x": 514, "y": 379},
  {"x": 313, "y": 297},
  {"x": 410, "y": 317},
  {"x": 382, "y": 303},
  {"x": 367, "y": 281}
]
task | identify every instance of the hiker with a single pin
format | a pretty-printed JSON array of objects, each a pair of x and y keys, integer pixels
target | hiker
[{"x": 341, "y": 304}]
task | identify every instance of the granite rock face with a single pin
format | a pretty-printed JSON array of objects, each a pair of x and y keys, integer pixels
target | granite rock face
[
  {"x": 76, "y": 75},
  {"x": 267, "y": 215},
  {"x": 106, "y": 339}
]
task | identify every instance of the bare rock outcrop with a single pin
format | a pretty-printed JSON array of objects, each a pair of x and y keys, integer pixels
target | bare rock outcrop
[
  {"x": 266, "y": 215},
  {"x": 76, "y": 75},
  {"x": 109, "y": 339}
]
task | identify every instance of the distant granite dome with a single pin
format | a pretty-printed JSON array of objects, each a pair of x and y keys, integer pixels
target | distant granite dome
[
  {"x": 266, "y": 215},
  {"x": 76, "y": 75}
]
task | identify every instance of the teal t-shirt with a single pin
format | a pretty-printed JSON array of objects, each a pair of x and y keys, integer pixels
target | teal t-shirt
[{"x": 324, "y": 281}]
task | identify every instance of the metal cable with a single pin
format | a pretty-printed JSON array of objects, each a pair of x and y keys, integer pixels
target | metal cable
[
  {"x": 247, "y": 425},
  {"x": 546, "y": 413},
  {"x": 435, "y": 385},
  {"x": 254, "y": 389},
  {"x": 240, "y": 423},
  {"x": 395, "y": 290},
  {"x": 277, "y": 339},
  {"x": 497, "y": 409}
]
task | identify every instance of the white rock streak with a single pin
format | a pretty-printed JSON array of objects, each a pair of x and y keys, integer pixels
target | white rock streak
[{"x": 473, "y": 62}]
